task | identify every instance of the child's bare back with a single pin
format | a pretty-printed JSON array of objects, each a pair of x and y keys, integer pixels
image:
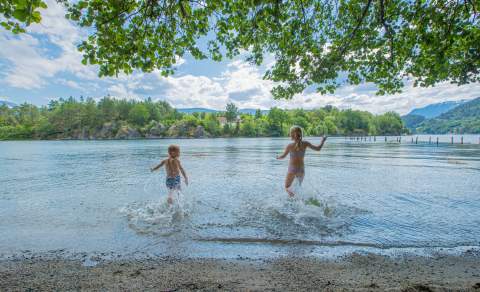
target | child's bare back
[{"x": 173, "y": 168}]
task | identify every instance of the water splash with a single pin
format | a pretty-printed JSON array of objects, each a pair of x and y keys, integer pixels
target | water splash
[{"x": 159, "y": 217}]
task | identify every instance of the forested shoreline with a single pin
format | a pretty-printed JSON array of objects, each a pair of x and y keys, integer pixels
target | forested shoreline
[{"x": 110, "y": 118}]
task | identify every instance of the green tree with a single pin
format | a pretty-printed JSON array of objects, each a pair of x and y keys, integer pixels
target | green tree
[
  {"x": 17, "y": 14},
  {"x": 231, "y": 112},
  {"x": 247, "y": 128},
  {"x": 139, "y": 114},
  {"x": 211, "y": 124},
  {"x": 378, "y": 41},
  {"x": 276, "y": 118},
  {"x": 258, "y": 114},
  {"x": 389, "y": 123}
]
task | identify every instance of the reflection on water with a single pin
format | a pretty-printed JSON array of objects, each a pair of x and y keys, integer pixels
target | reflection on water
[{"x": 100, "y": 196}]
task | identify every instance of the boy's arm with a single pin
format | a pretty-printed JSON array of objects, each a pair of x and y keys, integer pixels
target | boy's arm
[
  {"x": 285, "y": 153},
  {"x": 183, "y": 172},
  {"x": 317, "y": 148},
  {"x": 158, "y": 166}
]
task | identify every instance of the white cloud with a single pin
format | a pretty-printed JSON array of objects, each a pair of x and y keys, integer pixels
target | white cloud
[
  {"x": 189, "y": 90},
  {"x": 69, "y": 83}
]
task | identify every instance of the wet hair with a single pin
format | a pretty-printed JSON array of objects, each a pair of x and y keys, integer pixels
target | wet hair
[
  {"x": 173, "y": 149},
  {"x": 299, "y": 132}
]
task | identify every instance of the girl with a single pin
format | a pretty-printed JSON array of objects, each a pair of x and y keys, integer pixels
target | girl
[
  {"x": 297, "y": 149},
  {"x": 173, "y": 169}
]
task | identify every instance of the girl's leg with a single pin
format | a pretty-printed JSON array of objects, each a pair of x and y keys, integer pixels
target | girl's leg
[
  {"x": 300, "y": 177},
  {"x": 288, "y": 183}
]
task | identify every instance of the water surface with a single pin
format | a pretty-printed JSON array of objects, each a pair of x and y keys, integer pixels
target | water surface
[{"x": 99, "y": 196}]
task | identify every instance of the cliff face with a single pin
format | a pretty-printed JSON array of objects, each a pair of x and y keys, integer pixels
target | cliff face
[{"x": 117, "y": 131}]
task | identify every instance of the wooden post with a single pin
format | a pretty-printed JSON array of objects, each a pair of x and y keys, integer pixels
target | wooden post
[
  {"x": 452, "y": 139},
  {"x": 375, "y": 139},
  {"x": 416, "y": 140},
  {"x": 461, "y": 140},
  {"x": 430, "y": 140},
  {"x": 400, "y": 139},
  {"x": 412, "y": 140},
  {"x": 437, "y": 141},
  {"x": 385, "y": 138}
]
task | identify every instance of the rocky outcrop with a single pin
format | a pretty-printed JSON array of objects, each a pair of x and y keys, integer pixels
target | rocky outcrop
[
  {"x": 199, "y": 132},
  {"x": 82, "y": 134},
  {"x": 156, "y": 130},
  {"x": 177, "y": 130},
  {"x": 127, "y": 132},
  {"x": 107, "y": 131}
]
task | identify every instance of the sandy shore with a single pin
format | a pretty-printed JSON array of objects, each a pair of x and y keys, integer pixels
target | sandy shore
[{"x": 355, "y": 272}]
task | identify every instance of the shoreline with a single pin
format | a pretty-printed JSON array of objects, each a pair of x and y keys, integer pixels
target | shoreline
[
  {"x": 368, "y": 272},
  {"x": 259, "y": 137}
]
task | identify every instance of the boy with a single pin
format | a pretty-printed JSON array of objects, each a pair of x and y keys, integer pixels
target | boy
[{"x": 173, "y": 169}]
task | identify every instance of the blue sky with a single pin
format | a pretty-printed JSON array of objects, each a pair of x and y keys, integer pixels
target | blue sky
[{"x": 44, "y": 64}]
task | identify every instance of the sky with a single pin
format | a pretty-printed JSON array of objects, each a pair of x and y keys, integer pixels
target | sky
[{"x": 44, "y": 64}]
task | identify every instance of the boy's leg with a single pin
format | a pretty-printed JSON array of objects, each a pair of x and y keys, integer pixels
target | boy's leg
[{"x": 170, "y": 196}]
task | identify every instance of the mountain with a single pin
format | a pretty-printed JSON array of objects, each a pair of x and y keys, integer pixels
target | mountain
[
  {"x": 196, "y": 110},
  {"x": 7, "y": 103},
  {"x": 252, "y": 111},
  {"x": 464, "y": 118},
  {"x": 436, "y": 109},
  {"x": 412, "y": 121},
  {"x": 192, "y": 110}
]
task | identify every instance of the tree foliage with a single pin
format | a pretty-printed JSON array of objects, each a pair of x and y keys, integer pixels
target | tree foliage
[
  {"x": 322, "y": 43},
  {"x": 17, "y": 14},
  {"x": 231, "y": 112},
  {"x": 89, "y": 119}
]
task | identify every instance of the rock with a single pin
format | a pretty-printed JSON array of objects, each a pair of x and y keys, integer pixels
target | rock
[
  {"x": 199, "y": 132},
  {"x": 127, "y": 132},
  {"x": 107, "y": 131},
  {"x": 156, "y": 130},
  {"x": 178, "y": 130}
]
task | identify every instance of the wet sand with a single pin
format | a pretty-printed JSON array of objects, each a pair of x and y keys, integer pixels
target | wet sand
[{"x": 367, "y": 272}]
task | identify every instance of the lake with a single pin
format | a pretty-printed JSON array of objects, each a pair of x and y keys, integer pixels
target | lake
[{"x": 99, "y": 197}]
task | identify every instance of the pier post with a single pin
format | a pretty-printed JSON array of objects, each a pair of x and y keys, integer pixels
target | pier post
[
  {"x": 437, "y": 141},
  {"x": 452, "y": 139},
  {"x": 400, "y": 139},
  {"x": 430, "y": 140},
  {"x": 416, "y": 140},
  {"x": 461, "y": 140},
  {"x": 385, "y": 138},
  {"x": 412, "y": 140},
  {"x": 375, "y": 139}
]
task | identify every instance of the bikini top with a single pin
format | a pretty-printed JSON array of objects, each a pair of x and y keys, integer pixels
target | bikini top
[{"x": 297, "y": 153}]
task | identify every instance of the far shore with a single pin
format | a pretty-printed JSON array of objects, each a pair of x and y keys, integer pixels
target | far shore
[
  {"x": 246, "y": 137},
  {"x": 364, "y": 272}
]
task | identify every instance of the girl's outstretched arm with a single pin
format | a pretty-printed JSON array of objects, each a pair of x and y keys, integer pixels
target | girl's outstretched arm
[
  {"x": 317, "y": 148},
  {"x": 158, "y": 166},
  {"x": 183, "y": 172},
  {"x": 285, "y": 153}
]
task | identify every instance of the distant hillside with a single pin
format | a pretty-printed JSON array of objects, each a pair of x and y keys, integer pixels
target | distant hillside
[
  {"x": 196, "y": 110},
  {"x": 434, "y": 110},
  {"x": 412, "y": 121},
  {"x": 7, "y": 103},
  {"x": 207, "y": 110},
  {"x": 464, "y": 118}
]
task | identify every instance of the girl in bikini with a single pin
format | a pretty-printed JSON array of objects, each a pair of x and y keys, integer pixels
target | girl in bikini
[
  {"x": 173, "y": 167},
  {"x": 296, "y": 168}
]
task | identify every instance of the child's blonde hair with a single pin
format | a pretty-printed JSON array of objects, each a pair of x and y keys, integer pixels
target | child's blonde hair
[
  {"x": 173, "y": 149},
  {"x": 298, "y": 130}
]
